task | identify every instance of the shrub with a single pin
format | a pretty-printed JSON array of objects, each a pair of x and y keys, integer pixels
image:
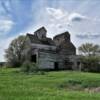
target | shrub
[
  {"x": 29, "y": 67},
  {"x": 91, "y": 64}
]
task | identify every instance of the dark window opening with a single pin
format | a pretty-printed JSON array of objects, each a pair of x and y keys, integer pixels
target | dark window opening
[
  {"x": 56, "y": 65},
  {"x": 33, "y": 58},
  {"x": 68, "y": 65},
  {"x": 78, "y": 63}
]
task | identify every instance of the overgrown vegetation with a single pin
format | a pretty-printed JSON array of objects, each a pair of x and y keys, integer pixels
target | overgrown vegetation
[
  {"x": 29, "y": 67},
  {"x": 90, "y": 57},
  {"x": 90, "y": 64},
  {"x": 14, "y": 54},
  {"x": 15, "y": 85}
]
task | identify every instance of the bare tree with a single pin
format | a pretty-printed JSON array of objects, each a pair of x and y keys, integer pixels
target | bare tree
[{"x": 89, "y": 49}]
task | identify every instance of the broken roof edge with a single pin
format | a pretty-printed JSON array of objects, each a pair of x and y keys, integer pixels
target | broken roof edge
[
  {"x": 41, "y": 28},
  {"x": 35, "y": 39},
  {"x": 58, "y": 35},
  {"x": 61, "y": 34}
]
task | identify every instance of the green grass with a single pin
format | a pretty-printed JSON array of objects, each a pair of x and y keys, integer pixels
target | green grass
[{"x": 51, "y": 86}]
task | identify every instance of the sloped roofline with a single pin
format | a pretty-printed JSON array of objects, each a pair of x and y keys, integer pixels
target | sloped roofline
[
  {"x": 64, "y": 33},
  {"x": 42, "y": 28}
]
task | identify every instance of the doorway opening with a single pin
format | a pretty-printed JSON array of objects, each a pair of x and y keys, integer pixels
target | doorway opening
[
  {"x": 33, "y": 58},
  {"x": 56, "y": 65}
]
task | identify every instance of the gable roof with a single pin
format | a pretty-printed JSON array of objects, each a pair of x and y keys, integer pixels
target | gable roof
[
  {"x": 45, "y": 41},
  {"x": 65, "y": 34},
  {"x": 41, "y": 29}
]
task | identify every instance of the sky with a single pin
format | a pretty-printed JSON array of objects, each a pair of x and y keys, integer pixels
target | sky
[{"x": 80, "y": 17}]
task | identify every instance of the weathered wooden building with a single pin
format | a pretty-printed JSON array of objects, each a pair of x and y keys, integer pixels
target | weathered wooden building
[{"x": 56, "y": 53}]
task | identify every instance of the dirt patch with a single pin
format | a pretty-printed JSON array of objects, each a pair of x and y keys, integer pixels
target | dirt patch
[
  {"x": 80, "y": 85},
  {"x": 93, "y": 90}
]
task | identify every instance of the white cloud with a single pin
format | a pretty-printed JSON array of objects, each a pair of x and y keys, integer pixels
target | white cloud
[
  {"x": 59, "y": 20},
  {"x": 76, "y": 17},
  {"x": 56, "y": 13},
  {"x": 59, "y": 14},
  {"x": 5, "y": 26},
  {"x": 55, "y": 20}
]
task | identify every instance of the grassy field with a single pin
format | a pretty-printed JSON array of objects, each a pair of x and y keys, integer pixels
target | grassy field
[{"x": 51, "y": 86}]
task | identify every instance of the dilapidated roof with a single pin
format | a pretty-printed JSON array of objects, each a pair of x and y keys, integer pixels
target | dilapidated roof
[
  {"x": 63, "y": 35},
  {"x": 62, "y": 41},
  {"x": 45, "y": 41},
  {"x": 41, "y": 29}
]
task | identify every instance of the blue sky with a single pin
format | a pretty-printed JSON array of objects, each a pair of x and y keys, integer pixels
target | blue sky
[{"x": 80, "y": 17}]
